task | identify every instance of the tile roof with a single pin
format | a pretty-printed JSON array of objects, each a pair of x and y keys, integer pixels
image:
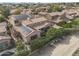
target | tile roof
[
  {"x": 5, "y": 37},
  {"x": 2, "y": 29},
  {"x": 35, "y": 20},
  {"x": 3, "y": 26},
  {"x": 55, "y": 13},
  {"x": 41, "y": 26}
]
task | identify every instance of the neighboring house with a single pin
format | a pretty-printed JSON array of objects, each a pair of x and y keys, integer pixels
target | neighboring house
[
  {"x": 5, "y": 42},
  {"x": 42, "y": 9},
  {"x": 65, "y": 15},
  {"x": 42, "y": 13},
  {"x": 72, "y": 13},
  {"x": 56, "y": 17},
  {"x": 55, "y": 14},
  {"x": 26, "y": 11},
  {"x": 17, "y": 19},
  {"x": 4, "y": 37},
  {"x": 37, "y": 23}
]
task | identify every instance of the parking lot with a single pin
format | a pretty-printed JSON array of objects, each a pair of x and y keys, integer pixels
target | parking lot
[{"x": 65, "y": 47}]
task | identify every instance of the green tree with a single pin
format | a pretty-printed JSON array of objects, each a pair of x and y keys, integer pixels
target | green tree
[
  {"x": 1, "y": 18},
  {"x": 54, "y": 8},
  {"x": 75, "y": 21},
  {"x": 68, "y": 25},
  {"x": 21, "y": 50},
  {"x": 51, "y": 34},
  {"x": 5, "y": 11}
]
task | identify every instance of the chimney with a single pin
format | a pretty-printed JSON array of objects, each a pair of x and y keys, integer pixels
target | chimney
[{"x": 29, "y": 19}]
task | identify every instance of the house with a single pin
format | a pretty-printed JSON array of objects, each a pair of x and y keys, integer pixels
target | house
[
  {"x": 43, "y": 9},
  {"x": 37, "y": 23},
  {"x": 3, "y": 28},
  {"x": 5, "y": 42},
  {"x": 21, "y": 30},
  {"x": 26, "y": 33},
  {"x": 27, "y": 29},
  {"x": 29, "y": 21},
  {"x": 26, "y": 11},
  {"x": 55, "y": 15},
  {"x": 17, "y": 19},
  {"x": 4, "y": 37},
  {"x": 42, "y": 13},
  {"x": 34, "y": 21},
  {"x": 72, "y": 13}
]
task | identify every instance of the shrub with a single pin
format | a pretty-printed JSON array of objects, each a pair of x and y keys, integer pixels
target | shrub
[
  {"x": 51, "y": 34},
  {"x": 54, "y": 8},
  {"x": 21, "y": 50},
  {"x": 1, "y": 18}
]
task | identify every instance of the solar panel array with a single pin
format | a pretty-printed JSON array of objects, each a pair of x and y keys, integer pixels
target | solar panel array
[
  {"x": 25, "y": 30},
  {"x": 22, "y": 17}
]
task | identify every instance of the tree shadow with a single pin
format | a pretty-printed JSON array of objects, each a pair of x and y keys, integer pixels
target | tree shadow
[
  {"x": 66, "y": 40},
  {"x": 76, "y": 34}
]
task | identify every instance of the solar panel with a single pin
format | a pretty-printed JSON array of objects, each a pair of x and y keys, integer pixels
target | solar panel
[
  {"x": 22, "y": 17},
  {"x": 25, "y": 30}
]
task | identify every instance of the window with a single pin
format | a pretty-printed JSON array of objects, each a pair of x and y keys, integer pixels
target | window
[
  {"x": 17, "y": 23},
  {"x": 33, "y": 37},
  {"x": 3, "y": 45}
]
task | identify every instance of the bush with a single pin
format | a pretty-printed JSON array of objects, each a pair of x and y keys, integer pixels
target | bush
[
  {"x": 22, "y": 53},
  {"x": 75, "y": 21},
  {"x": 54, "y": 8},
  {"x": 61, "y": 23},
  {"x": 1, "y": 18},
  {"x": 21, "y": 50},
  {"x": 68, "y": 25},
  {"x": 51, "y": 34}
]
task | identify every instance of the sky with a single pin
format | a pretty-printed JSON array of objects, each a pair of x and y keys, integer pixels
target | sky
[{"x": 43, "y": 1}]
